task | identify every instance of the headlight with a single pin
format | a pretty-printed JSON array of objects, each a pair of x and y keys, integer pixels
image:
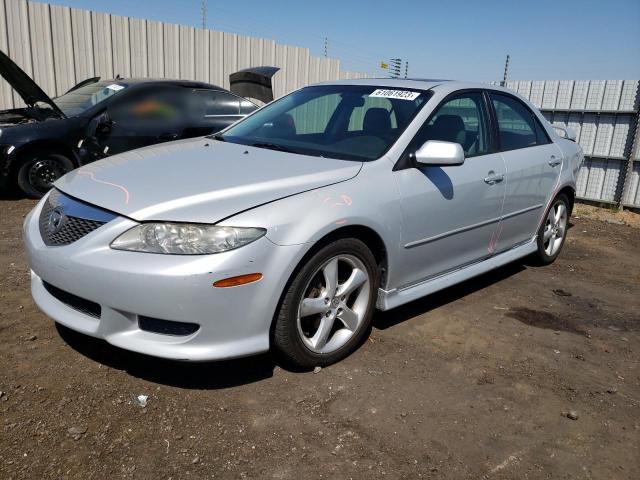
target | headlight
[{"x": 185, "y": 238}]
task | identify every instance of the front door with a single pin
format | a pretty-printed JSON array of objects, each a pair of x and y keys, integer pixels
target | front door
[
  {"x": 450, "y": 215},
  {"x": 155, "y": 115}
]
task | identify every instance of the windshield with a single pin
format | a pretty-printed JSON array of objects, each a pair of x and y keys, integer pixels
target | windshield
[
  {"x": 351, "y": 122},
  {"x": 80, "y": 100}
]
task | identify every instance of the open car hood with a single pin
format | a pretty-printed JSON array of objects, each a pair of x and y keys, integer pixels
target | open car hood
[
  {"x": 22, "y": 83},
  {"x": 254, "y": 82}
]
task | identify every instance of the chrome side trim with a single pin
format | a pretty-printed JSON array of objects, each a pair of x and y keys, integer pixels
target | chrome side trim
[
  {"x": 520, "y": 212},
  {"x": 451, "y": 232},
  {"x": 470, "y": 227}
]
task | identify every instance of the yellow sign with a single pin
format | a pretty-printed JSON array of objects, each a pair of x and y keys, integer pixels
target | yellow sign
[{"x": 384, "y": 65}]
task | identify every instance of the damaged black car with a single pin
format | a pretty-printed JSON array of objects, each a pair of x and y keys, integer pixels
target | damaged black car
[{"x": 48, "y": 137}]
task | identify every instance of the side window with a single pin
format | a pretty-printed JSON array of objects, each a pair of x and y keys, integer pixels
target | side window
[
  {"x": 216, "y": 103},
  {"x": 463, "y": 120},
  {"x": 372, "y": 107},
  {"x": 154, "y": 107},
  {"x": 517, "y": 126}
]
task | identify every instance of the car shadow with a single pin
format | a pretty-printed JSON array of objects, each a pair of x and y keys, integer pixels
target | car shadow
[
  {"x": 390, "y": 318},
  {"x": 190, "y": 375}
]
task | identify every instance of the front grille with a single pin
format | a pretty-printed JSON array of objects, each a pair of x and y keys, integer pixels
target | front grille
[
  {"x": 58, "y": 224},
  {"x": 77, "y": 303},
  {"x": 166, "y": 327}
]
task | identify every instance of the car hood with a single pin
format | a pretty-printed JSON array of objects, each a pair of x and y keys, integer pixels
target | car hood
[
  {"x": 199, "y": 180},
  {"x": 22, "y": 83}
]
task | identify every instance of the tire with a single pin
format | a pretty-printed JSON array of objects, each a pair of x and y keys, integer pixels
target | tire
[
  {"x": 303, "y": 335},
  {"x": 39, "y": 170},
  {"x": 551, "y": 236}
]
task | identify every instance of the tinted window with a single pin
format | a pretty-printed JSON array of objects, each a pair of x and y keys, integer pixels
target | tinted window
[
  {"x": 517, "y": 127},
  {"x": 217, "y": 103},
  {"x": 159, "y": 106},
  {"x": 462, "y": 120}
]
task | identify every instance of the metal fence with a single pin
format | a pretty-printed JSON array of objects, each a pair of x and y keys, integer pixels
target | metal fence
[
  {"x": 604, "y": 114},
  {"x": 61, "y": 46}
]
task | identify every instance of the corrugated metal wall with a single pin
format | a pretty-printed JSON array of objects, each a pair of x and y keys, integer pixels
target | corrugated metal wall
[
  {"x": 604, "y": 114},
  {"x": 61, "y": 46}
]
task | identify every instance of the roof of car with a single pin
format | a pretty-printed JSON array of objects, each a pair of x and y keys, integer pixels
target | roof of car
[
  {"x": 182, "y": 83},
  {"x": 419, "y": 83}
]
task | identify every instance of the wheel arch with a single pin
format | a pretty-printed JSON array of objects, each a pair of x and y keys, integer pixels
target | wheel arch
[
  {"x": 570, "y": 192},
  {"x": 367, "y": 235},
  {"x": 53, "y": 146}
]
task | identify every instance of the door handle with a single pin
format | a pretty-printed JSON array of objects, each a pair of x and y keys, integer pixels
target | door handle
[
  {"x": 554, "y": 162},
  {"x": 494, "y": 178},
  {"x": 168, "y": 136}
]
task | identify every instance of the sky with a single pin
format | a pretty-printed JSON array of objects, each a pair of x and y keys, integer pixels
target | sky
[{"x": 463, "y": 39}]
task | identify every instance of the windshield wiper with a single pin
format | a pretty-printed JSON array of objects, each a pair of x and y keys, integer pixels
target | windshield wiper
[
  {"x": 272, "y": 146},
  {"x": 218, "y": 137}
]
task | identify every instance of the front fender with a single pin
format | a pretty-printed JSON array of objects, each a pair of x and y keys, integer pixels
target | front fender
[{"x": 370, "y": 200}]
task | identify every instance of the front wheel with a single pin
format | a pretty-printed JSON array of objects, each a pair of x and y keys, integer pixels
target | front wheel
[
  {"x": 38, "y": 172},
  {"x": 326, "y": 311},
  {"x": 553, "y": 231}
]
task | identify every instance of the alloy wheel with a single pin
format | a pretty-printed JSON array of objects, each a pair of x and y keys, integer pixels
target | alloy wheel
[
  {"x": 334, "y": 304},
  {"x": 555, "y": 228}
]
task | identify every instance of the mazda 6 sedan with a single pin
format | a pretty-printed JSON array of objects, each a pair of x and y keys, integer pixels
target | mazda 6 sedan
[{"x": 288, "y": 229}]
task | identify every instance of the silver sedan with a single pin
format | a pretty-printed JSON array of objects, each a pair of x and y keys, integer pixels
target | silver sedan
[{"x": 287, "y": 230}]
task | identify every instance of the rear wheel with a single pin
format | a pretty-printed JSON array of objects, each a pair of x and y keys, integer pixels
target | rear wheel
[
  {"x": 553, "y": 231},
  {"x": 327, "y": 309},
  {"x": 39, "y": 170}
]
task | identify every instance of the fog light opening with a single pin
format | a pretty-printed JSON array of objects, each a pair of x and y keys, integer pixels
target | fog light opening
[{"x": 237, "y": 281}]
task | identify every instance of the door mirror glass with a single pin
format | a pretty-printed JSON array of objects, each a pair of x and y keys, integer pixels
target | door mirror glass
[{"x": 437, "y": 152}]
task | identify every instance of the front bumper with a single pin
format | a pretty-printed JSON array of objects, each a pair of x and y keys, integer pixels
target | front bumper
[{"x": 234, "y": 322}]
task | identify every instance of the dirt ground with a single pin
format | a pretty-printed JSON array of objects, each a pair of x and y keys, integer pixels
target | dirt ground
[{"x": 478, "y": 381}]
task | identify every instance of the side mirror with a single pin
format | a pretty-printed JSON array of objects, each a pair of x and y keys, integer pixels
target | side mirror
[
  {"x": 436, "y": 152},
  {"x": 566, "y": 132}
]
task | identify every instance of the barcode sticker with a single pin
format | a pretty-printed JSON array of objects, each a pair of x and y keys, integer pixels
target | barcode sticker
[{"x": 398, "y": 94}]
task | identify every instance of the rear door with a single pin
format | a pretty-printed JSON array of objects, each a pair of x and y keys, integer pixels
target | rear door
[
  {"x": 532, "y": 163},
  {"x": 450, "y": 214}
]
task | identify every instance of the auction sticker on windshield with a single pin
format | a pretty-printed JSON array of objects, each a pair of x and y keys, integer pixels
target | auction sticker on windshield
[{"x": 399, "y": 94}]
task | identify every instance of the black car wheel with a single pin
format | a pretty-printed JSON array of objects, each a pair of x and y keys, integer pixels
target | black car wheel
[{"x": 38, "y": 172}]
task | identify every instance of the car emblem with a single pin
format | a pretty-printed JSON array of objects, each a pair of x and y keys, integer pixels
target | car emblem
[{"x": 57, "y": 220}]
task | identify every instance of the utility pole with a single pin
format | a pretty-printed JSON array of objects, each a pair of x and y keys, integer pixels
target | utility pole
[
  {"x": 203, "y": 13},
  {"x": 506, "y": 72},
  {"x": 326, "y": 46}
]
